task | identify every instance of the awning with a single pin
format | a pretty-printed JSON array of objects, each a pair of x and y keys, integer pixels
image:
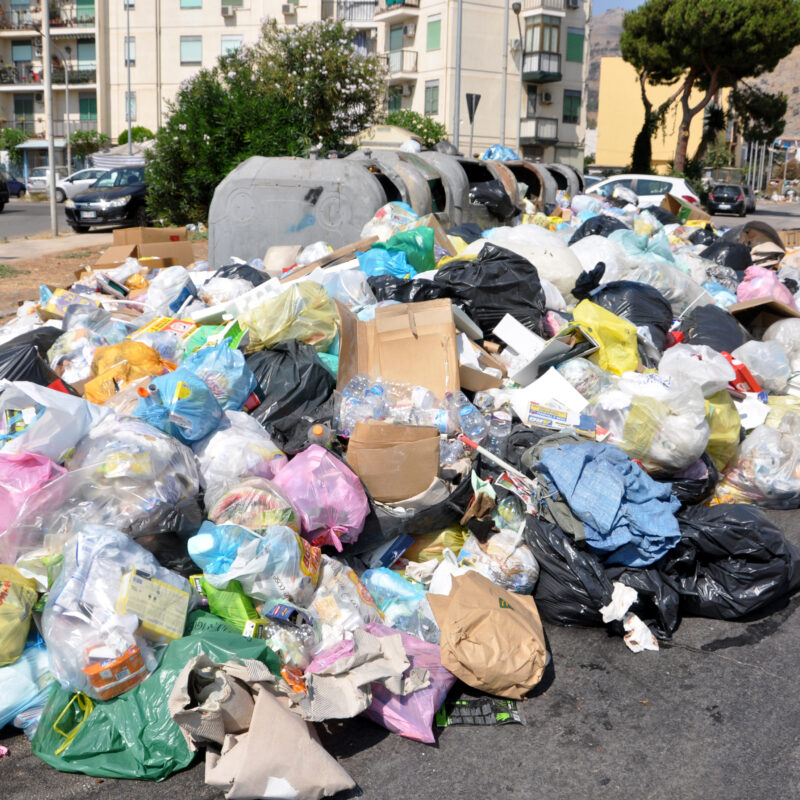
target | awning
[
  {"x": 41, "y": 144},
  {"x": 115, "y": 157}
]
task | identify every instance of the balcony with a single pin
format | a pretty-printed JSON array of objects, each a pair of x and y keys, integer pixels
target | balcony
[
  {"x": 76, "y": 76},
  {"x": 533, "y": 130},
  {"x": 389, "y": 11},
  {"x": 21, "y": 74},
  {"x": 60, "y": 126},
  {"x": 541, "y": 67},
  {"x": 542, "y": 5},
  {"x": 25, "y": 124},
  {"x": 401, "y": 64},
  {"x": 25, "y": 20},
  {"x": 355, "y": 12}
]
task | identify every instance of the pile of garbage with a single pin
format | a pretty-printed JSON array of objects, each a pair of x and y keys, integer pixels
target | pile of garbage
[{"x": 239, "y": 500}]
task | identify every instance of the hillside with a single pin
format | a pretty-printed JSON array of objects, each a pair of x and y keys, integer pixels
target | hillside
[{"x": 604, "y": 41}]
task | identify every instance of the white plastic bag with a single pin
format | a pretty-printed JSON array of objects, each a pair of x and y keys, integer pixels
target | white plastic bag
[
  {"x": 442, "y": 580},
  {"x": 768, "y": 363},
  {"x": 504, "y": 559},
  {"x": 786, "y": 332},
  {"x": 700, "y": 364}
]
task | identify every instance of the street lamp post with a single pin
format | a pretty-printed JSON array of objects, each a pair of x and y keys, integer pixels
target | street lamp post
[
  {"x": 516, "y": 7},
  {"x": 65, "y": 62},
  {"x": 128, "y": 62}
]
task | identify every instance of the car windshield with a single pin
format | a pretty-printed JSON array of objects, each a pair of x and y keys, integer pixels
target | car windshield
[
  {"x": 120, "y": 177},
  {"x": 39, "y": 172}
]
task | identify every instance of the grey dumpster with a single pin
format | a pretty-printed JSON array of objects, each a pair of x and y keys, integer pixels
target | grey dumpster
[
  {"x": 482, "y": 171},
  {"x": 565, "y": 178},
  {"x": 542, "y": 185},
  {"x": 270, "y": 201}
]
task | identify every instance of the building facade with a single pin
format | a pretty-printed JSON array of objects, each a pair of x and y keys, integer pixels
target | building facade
[{"x": 544, "y": 61}]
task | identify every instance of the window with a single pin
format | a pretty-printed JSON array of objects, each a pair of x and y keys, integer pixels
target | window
[
  {"x": 191, "y": 50},
  {"x": 21, "y": 51},
  {"x": 431, "y": 97},
  {"x": 530, "y": 100},
  {"x": 129, "y": 47},
  {"x": 572, "y": 106},
  {"x": 87, "y": 104},
  {"x": 543, "y": 35},
  {"x": 85, "y": 11},
  {"x": 191, "y": 3},
  {"x": 87, "y": 58},
  {"x": 21, "y": 4},
  {"x": 395, "y": 38},
  {"x": 395, "y": 99},
  {"x": 130, "y": 106},
  {"x": 608, "y": 189},
  {"x": 231, "y": 43},
  {"x": 575, "y": 44},
  {"x": 128, "y": 4},
  {"x": 23, "y": 106},
  {"x": 645, "y": 186},
  {"x": 434, "y": 40}
]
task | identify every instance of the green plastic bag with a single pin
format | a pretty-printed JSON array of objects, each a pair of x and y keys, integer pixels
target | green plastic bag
[
  {"x": 230, "y": 604},
  {"x": 417, "y": 244},
  {"x": 133, "y": 735}
]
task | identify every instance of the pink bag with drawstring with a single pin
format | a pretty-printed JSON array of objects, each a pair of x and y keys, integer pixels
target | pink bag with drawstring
[
  {"x": 761, "y": 283},
  {"x": 21, "y": 474}
]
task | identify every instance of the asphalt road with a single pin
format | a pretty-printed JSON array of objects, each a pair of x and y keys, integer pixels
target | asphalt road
[{"x": 713, "y": 715}]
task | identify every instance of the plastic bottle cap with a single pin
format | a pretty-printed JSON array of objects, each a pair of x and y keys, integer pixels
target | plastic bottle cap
[{"x": 317, "y": 430}]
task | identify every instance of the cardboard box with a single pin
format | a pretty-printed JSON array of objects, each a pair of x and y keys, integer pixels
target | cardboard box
[
  {"x": 757, "y": 315},
  {"x": 116, "y": 254},
  {"x": 410, "y": 342},
  {"x": 439, "y": 235},
  {"x": 791, "y": 237},
  {"x": 683, "y": 210},
  {"x": 395, "y": 462},
  {"x": 148, "y": 235},
  {"x": 153, "y": 256},
  {"x": 476, "y": 381}
]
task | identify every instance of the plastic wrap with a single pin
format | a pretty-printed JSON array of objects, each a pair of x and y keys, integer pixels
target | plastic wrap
[
  {"x": 21, "y": 475},
  {"x": 254, "y": 503},
  {"x": 25, "y": 683},
  {"x": 505, "y": 559},
  {"x": 767, "y": 362},
  {"x": 225, "y": 373},
  {"x": 786, "y": 332},
  {"x": 699, "y": 364}
]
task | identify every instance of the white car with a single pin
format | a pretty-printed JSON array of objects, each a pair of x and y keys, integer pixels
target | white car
[
  {"x": 649, "y": 188},
  {"x": 38, "y": 178},
  {"x": 77, "y": 182}
]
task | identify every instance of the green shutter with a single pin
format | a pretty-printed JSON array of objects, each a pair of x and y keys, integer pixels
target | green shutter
[
  {"x": 574, "y": 45},
  {"x": 434, "y": 34},
  {"x": 88, "y": 107},
  {"x": 85, "y": 9}
]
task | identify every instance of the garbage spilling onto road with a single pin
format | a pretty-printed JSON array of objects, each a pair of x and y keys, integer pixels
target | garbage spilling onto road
[{"x": 242, "y": 497}]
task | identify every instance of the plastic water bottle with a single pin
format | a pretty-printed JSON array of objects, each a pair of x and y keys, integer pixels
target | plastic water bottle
[
  {"x": 214, "y": 547},
  {"x": 321, "y": 435},
  {"x": 471, "y": 421},
  {"x": 375, "y": 401},
  {"x": 499, "y": 431}
]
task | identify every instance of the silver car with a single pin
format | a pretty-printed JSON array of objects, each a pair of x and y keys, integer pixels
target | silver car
[
  {"x": 38, "y": 178},
  {"x": 78, "y": 182}
]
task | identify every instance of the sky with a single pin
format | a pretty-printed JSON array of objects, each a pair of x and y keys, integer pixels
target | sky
[{"x": 601, "y": 6}]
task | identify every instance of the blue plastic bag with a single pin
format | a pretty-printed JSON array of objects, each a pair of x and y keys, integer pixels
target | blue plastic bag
[
  {"x": 225, "y": 373},
  {"x": 25, "y": 683},
  {"x": 385, "y": 262},
  {"x": 498, "y": 152},
  {"x": 182, "y": 406}
]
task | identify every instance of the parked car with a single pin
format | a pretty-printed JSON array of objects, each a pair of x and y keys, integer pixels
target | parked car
[
  {"x": 650, "y": 188},
  {"x": 117, "y": 196},
  {"x": 16, "y": 188},
  {"x": 727, "y": 197},
  {"x": 3, "y": 193},
  {"x": 38, "y": 178},
  {"x": 590, "y": 180},
  {"x": 76, "y": 183},
  {"x": 750, "y": 197}
]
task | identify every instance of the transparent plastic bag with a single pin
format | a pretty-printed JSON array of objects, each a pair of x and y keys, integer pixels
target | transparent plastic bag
[
  {"x": 25, "y": 683},
  {"x": 110, "y": 605},
  {"x": 254, "y": 503},
  {"x": 586, "y": 377},
  {"x": 225, "y": 372},
  {"x": 239, "y": 448},
  {"x": 768, "y": 363},
  {"x": 72, "y": 353},
  {"x": 700, "y": 364},
  {"x": 21, "y": 475},
  {"x": 327, "y": 494},
  {"x": 18, "y": 595},
  {"x": 348, "y": 286},
  {"x": 786, "y": 332},
  {"x": 170, "y": 291},
  {"x": 504, "y": 559}
]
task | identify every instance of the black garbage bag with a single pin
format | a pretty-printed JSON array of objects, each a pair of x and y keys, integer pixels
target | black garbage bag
[
  {"x": 694, "y": 484},
  {"x": 732, "y": 561},
  {"x": 588, "y": 281},
  {"x": 639, "y": 303},
  {"x": 715, "y": 327},
  {"x": 662, "y": 215},
  {"x": 388, "y": 287},
  {"x": 244, "y": 272},
  {"x": 386, "y": 522},
  {"x": 42, "y": 338},
  {"x": 730, "y": 254},
  {"x": 496, "y": 283},
  {"x": 295, "y": 384},
  {"x": 22, "y": 362},
  {"x": 572, "y": 584},
  {"x": 658, "y": 604},
  {"x": 493, "y": 195},
  {"x": 599, "y": 225},
  {"x": 468, "y": 231},
  {"x": 704, "y": 236}
]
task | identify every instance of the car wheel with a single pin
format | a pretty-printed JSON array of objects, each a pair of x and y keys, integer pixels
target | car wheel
[
  {"x": 140, "y": 217},
  {"x": 743, "y": 212},
  {"x": 60, "y": 196},
  {"x": 2, "y": 206},
  {"x": 21, "y": 193},
  {"x": 80, "y": 228}
]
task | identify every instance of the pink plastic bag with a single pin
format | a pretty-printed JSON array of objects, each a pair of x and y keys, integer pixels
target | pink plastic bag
[
  {"x": 759, "y": 283},
  {"x": 327, "y": 494},
  {"x": 21, "y": 474},
  {"x": 410, "y": 716}
]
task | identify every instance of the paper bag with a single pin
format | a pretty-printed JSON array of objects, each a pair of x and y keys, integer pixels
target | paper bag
[{"x": 491, "y": 638}]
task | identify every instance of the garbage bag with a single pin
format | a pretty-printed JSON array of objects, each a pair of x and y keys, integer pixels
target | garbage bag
[
  {"x": 402, "y": 602},
  {"x": 254, "y": 503},
  {"x": 572, "y": 585},
  {"x": 244, "y": 272},
  {"x": 387, "y": 219},
  {"x": 761, "y": 283},
  {"x": 170, "y": 291},
  {"x": 237, "y": 449},
  {"x": 225, "y": 373},
  {"x": 18, "y": 596},
  {"x": 786, "y": 332},
  {"x": 133, "y": 735},
  {"x": 618, "y": 350},
  {"x": 496, "y": 283},
  {"x": 388, "y": 287},
  {"x": 22, "y": 362},
  {"x": 598, "y": 225},
  {"x": 504, "y": 559},
  {"x": 468, "y": 231},
  {"x": 327, "y": 494},
  {"x": 714, "y": 327},
  {"x": 638, "y": 303},
  {"x": 728, "y": 254},
  {"x": 295, "y": 384},
  {"x": 117, "y": 365},
  {"x": 42, "y": 338},
  {"x": 768, "y": 363},
  {"x": 725, "y": 427},
  {"x": 693, "y": 484},
  {"x": 350, "y": 287},
  {"x": 499, "y": 152},
  {"x": 732, "y": 561},
  {"x": 21, "y": 475},
  {"x": 304, "y": 311},
  {"x": 111, "y": 603},
  {"x": 40, "y": 420},
  {"x": 493, "y": 195},
  {"x": 416, "y": 243},
  {"x": 704, "y": 236},
  {"x": 700, "y": 364},
  {"x": 377, "y": 262},
  {"x": 766, "y": 468}
]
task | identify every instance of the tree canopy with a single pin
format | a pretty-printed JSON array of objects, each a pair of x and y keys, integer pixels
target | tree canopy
[{"x": 428, "y": 129}]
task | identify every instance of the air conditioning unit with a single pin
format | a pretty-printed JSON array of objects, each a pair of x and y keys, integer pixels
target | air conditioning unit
[
  {"x": 573, "y": 3},
  {"x": 406, "y": 90},
  {"x": 410, "y": 29},
  {"x": 288, "y": 10},
  {"x": 547, "y": 98},
  {"x": 37, "y": 49},
  {"x": 39, "y": 97},
  {"x": 373, "y": 33},
  {"x": 228, "y": 11}
]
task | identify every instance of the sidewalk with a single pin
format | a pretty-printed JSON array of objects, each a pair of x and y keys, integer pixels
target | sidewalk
[{"x": 43, "y": 245}]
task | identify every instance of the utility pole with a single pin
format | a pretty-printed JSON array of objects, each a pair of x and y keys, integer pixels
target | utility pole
[
  {"x": 457, "y": 99},
  {"x": 128, "y": 62},
  {"x": 505, "y": 78},
  {"x": 516, "y": 7},
  {"x": 48, "y": 115}
]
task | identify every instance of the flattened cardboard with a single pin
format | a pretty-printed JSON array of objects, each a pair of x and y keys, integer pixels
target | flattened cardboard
[
  {"x": 342, "y": 254},
  {"x": 477, "y": 381},
  {"x": 409, "y": 342},
  {"x": 683, "y": 210},
  {"x": 115, "y": 255},
  {"x": 790, "y": 237},
  {"x": 757, "y": 315},
  {"x": 177, "y": 254},
  {"x": 148, "y": 235},
  {"x": 395, "y": 462},
  {"x": 555, "y": 351}
]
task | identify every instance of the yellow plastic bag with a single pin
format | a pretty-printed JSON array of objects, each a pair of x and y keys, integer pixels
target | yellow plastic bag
[
  {"x": 17, "y": 599},
  {"x": 618, "y": 351},
  {"x": 304, "y": 311},
  {"x": 779, "y": 407},
  {"x": 432, "y": 545},
  {"x": 725, "y": 424},
  {"x": 117, "y": 365}
]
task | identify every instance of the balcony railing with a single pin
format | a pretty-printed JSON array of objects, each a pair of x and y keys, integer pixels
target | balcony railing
[
  {"x": 63, "y": 17},
  {"x": 538, "y": 129},
  {"x": 22, "y": 73},
  {"x": 541, "y": 67},
  {"x": 76, "y": 76},
  {"x": 401, "y": 61},
  {"x": 388, "y": 5},
  {"x": 24, "y": 124},
  {"x": 349, "y": 10},
  {"x": 543, "y": 5},
  {"x": 60, "y": 126}
]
